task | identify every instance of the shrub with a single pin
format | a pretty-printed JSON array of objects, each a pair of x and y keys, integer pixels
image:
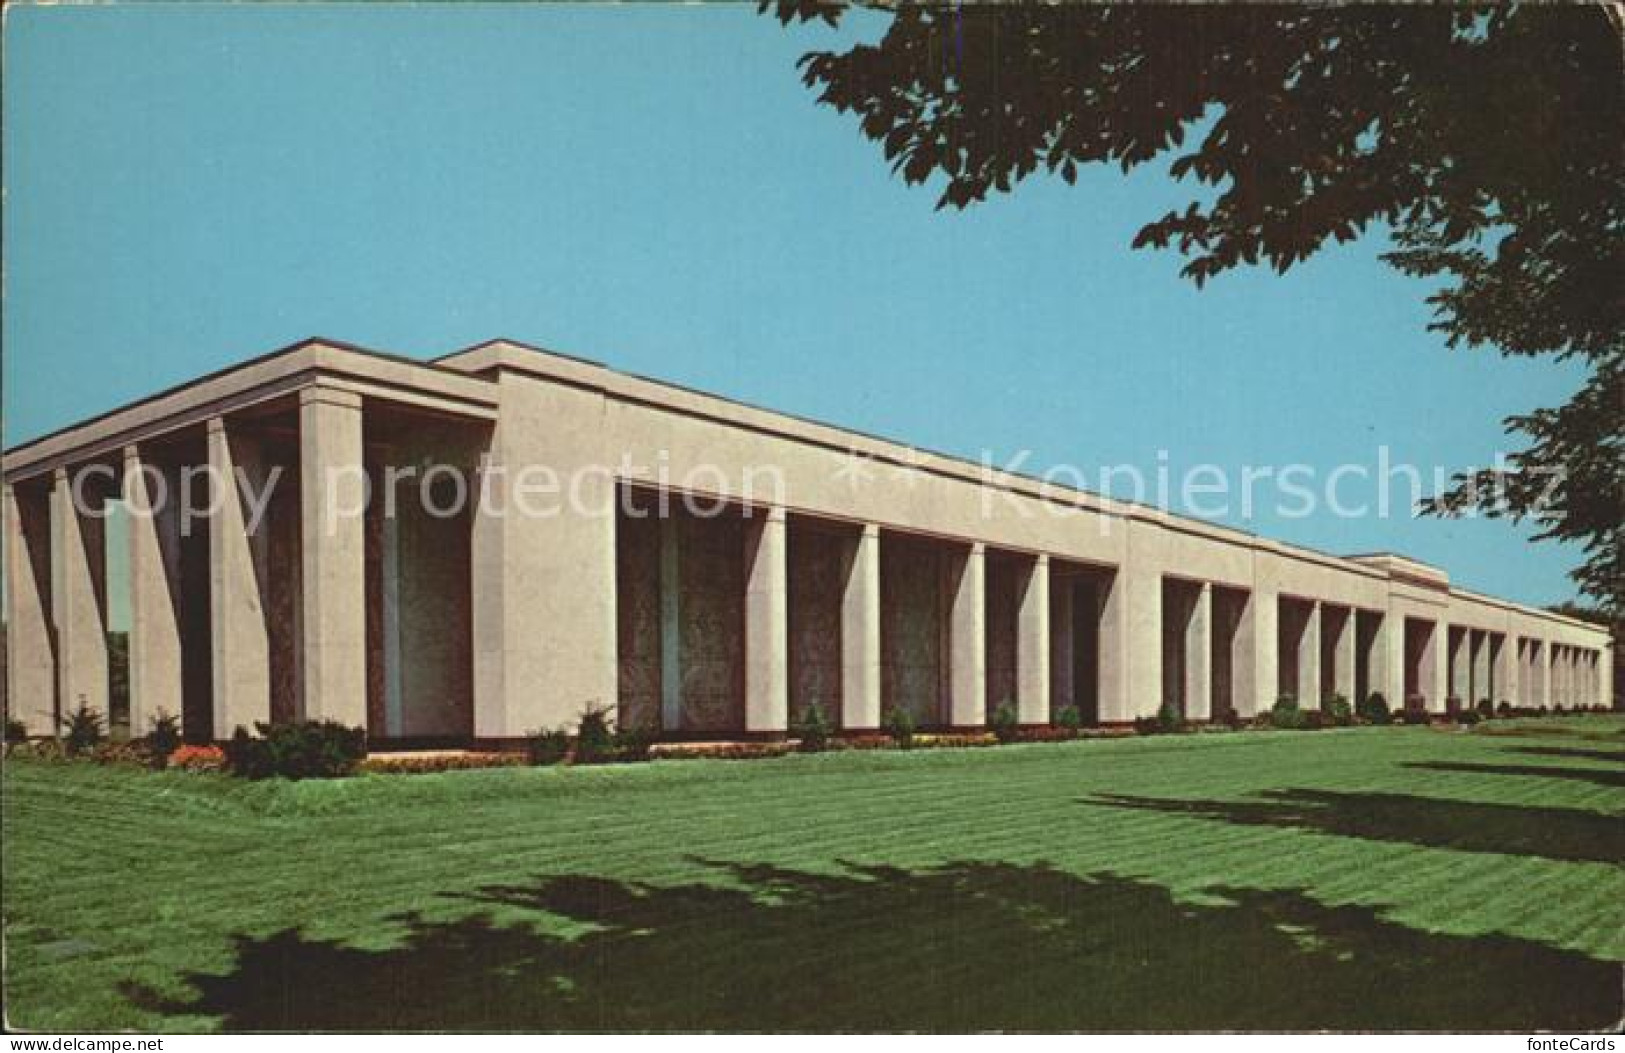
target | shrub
[
  {"x": 1468, "y": 717},
  {"x": 198, "y": 759},
  {"x": 547, "y": 747},
  {"x": 1452, "y": 705},
  {"x": 16, "y": 731},
  {"x": 632, "y": 744},
  {"x": 307, "y": 749},
  {"x": 1415, "y": 716},
  {"x": 1374, "y": 710},
  {"x": 420, "y": 765},
  {"x": 595, "y": 739},
  {"x": 1070, "y": 717},
  {"x": 164, "y": 737},
  {"x": 1005, "y": 721},
  {"x": 900, "y": 726},
  {"x": 1486, "y": 709},
  {"x": 1286, "y": 714},
  {"x": 131, "y": 754},
  {"x": 813, "y": 729},
  {"x": 1169, "y": 719},
  {"x": 43, "y": 749},
  {"x": 82, "y": 729},
  {"x": 1336, "y": 711}
]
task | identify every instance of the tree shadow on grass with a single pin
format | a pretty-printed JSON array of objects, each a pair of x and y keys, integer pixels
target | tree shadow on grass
[
  {"x": 1599, "y": 776},
  {"x": 1465, "y": 826},
  {"x": 1612, "y": 756},
  {"x": 961, "y": 947}
]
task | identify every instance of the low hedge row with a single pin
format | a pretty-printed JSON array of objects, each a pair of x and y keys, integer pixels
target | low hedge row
[{"x": 324, "y": 749}]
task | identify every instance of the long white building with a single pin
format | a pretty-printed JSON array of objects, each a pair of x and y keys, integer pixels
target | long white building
[{"x": 475, "y": 548}]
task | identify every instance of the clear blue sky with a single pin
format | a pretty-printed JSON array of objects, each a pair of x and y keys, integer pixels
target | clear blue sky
[{"x": 653, "y": 187}]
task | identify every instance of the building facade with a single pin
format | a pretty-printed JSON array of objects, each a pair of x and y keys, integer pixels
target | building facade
[{"x": 476, "y": 548}]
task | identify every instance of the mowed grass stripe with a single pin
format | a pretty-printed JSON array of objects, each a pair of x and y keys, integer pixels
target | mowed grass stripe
[{"x": 1095, "y": 845}]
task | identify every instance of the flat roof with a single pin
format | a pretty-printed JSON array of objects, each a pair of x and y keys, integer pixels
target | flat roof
[{"x": 452, "y": 381}]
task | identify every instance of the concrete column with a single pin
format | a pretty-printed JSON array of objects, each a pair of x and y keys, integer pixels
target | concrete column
[
  {"x": 767, "y": 626},
  {"x": 1460, "y": 676},
  {"x": 1199, "y": 656},
  {"x": 1504, "y": 668},
  {"x": 1605, "y": 678},
  {"x": 1377, "y": 659},
  {"x": 542, "y": 570},
  {"x": 1309, "y": 660},
  {"x": 239, "y": 637},
  {"x": 1256, "y": 664},
  {"x": 1115, "y": 701},
  {"x": 860, "y": 635},
  {"x": 1535, "y": 684},
  {"x": 1032, "y": 645},
  {"x": 154, "y": 566},
  {"x": 332, "y": 502},
  {"x": 79, "y": 596},
  {"x": 30, "y": 636},
  {"x": 1482, "y": 688},
  {"x": 967, "y": 643},
  {"x": 1391, "y": 644},
  {"x": 1543, "y": 673},
  {"x": 1131, "y": 644},
  {"x": 1435, "y": 666},
  {"x": 1344, "y": 656}
]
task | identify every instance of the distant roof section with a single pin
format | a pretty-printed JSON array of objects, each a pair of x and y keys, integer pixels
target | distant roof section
[
  {"x": 265, "y": 377},
  {"x": 1407, "y": 569}
]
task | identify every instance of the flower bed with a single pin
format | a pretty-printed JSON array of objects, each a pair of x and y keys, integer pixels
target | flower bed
[
  {"x": 719, "y": 750},
  {"x": 1045, "y": 734},
  {"x": 198, "y": 759},
  {"x": 424, "y": 763},
  {"x": 955, "y": 740}
]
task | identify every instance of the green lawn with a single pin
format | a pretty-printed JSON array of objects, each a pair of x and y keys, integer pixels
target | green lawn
[{"x": 1368, "y": 878}]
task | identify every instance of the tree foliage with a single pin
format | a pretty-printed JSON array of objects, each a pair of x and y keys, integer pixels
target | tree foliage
[{"x": 1486, "y": 141}]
